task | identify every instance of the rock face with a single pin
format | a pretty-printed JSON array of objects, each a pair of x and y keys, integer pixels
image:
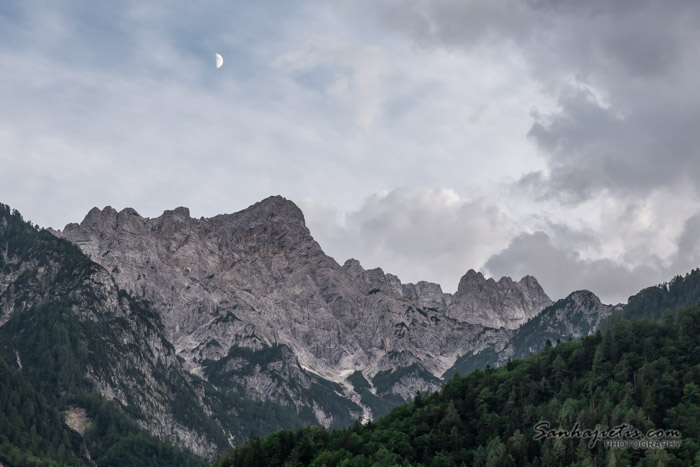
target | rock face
[
  {"x": 504, "y": 303},
  {"x": 253, "y": 306},
  {"x": 262, "y": 267},
  {"x": 576, "y": 316}
]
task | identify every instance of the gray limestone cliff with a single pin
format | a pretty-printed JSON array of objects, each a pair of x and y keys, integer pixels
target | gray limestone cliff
[
  {"x": 262, "y": 266},
  {"x": 497, "y": 304},
  {"x": 256, "y": 280}
]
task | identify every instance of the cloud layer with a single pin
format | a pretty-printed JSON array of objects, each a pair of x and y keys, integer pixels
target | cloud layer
[
  {"x": 623, "y": 75},
  {"x": 553, "y": 138}
]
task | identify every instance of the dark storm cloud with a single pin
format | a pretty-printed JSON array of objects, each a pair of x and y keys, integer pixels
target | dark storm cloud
[
  {"x": 590, "y": 147},
  {"x": 560, "y": 270},
  {"x": 624, "y": 74}
]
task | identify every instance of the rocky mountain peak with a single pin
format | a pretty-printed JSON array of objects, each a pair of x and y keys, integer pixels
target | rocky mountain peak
[
  {"x": 277, "y": 206},
  {"x": 273, "y": 224},
  {"x": 504, "y": 303},
  {"x": 107, "y": 219},
  {"x": 578, "y": 314},
  {"x": 478, "y": 300},
  {"x": 375, "y": 278},
  {"x": 97, "y": 216},
  {"x": 428, "y": 294},
  {"x": 530, "y": 281},
  {"x": 97, "y": 213},
  {"x": 470, "y": 282},
  {"x": 530, "y": 284},
  {"x": 257, "y": 278},
  {"x": 472, "y": 276},
  {"x": 127, "y": 213},
  {"x": 584, "y": 298},
  {"x": 353, "y": 267}
]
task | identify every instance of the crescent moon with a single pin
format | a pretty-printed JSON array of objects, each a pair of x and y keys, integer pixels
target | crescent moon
[{"x": 219, "y": 61}]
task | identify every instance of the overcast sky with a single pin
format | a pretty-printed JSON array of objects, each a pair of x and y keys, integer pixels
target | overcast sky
[{"x": 553, "y": 138}]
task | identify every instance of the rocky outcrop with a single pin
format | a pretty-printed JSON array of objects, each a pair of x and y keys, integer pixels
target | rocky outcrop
[{"x": 428, "y": 294}]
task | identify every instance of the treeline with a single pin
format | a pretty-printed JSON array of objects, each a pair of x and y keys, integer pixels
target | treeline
[{"x": 639, "y": 373}]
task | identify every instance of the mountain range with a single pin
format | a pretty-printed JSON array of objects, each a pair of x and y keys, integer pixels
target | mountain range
[{"x": 200, "y": 331}]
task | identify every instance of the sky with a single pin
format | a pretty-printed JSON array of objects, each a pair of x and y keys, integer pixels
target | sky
[{"x": 552, "y": 138}]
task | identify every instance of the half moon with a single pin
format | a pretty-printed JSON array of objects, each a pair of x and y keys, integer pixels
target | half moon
[{"x": 219, "y": 61}]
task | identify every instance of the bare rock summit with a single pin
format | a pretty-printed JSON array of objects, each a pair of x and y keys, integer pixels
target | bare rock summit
[{"x": 257, "y": 279}]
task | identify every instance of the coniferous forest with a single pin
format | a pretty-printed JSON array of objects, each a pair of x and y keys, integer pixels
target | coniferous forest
[{"x": 640, "y": 374}]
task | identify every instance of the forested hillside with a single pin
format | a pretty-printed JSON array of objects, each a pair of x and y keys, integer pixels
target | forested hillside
[
  {"x": 32, "y": 432},
  {"x": 639, "y": 373},
  {"x": 67, "y": 330}
]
